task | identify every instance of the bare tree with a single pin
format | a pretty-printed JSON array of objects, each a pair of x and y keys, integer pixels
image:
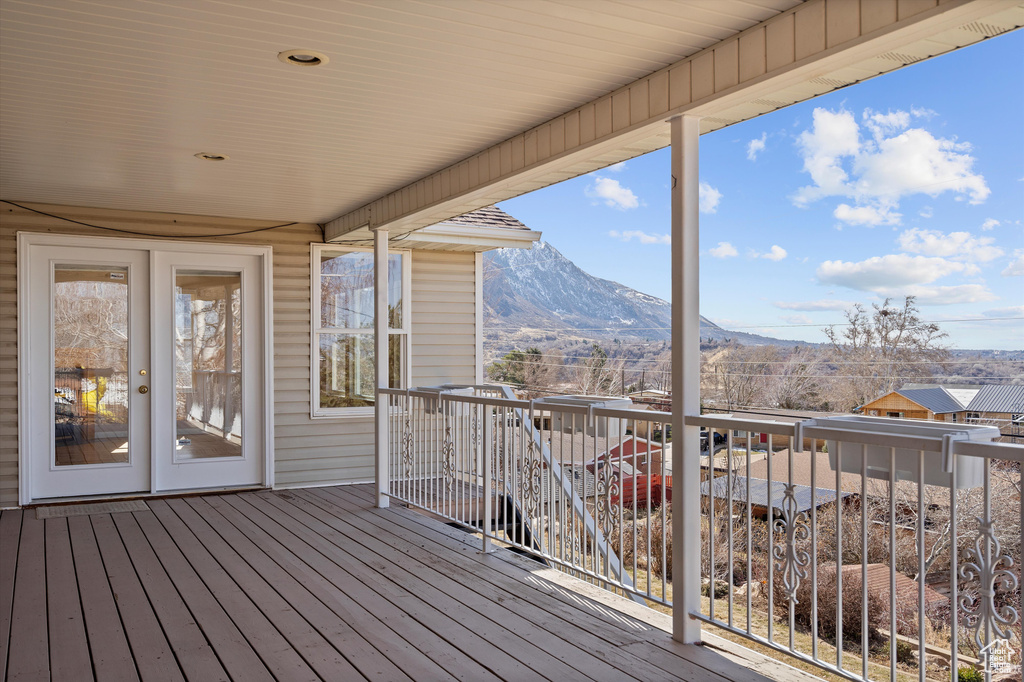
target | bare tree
[
  {"x": 878, "y": 351},
  {"x": 595, "y": 374}
]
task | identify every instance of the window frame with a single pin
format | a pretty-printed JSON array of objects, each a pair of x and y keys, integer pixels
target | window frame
[{"x": 316, "y": 253}]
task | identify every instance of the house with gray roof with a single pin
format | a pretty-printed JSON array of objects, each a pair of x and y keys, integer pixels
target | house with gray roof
[{"x": 997, "y": 405}]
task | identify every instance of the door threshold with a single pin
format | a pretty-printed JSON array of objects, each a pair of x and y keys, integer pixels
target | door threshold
[{"x": 145, "y": 497}]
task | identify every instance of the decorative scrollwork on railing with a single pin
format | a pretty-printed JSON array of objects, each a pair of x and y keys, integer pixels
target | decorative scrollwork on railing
[
  {"x": 990, "y": 568},
  {"x": 789, "y": 559},
  {"x": 530, "y": 482},
  {"x": 448, "y": 459},
  {"x": 408, "y": 447},
  {"x": 474, "y": 434},
  {"x": 608, "y": 498}
]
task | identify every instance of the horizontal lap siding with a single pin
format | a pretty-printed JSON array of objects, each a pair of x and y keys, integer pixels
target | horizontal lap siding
[
  {"x": 307, "y": 451},
  {"x": 443, "y": 318}
]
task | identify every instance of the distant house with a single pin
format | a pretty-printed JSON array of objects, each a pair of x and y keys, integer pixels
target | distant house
[
  {"x": 1001, "y": 406},
  {"x": 762, "y": 495},
  {"x": 932, "y": 402}
]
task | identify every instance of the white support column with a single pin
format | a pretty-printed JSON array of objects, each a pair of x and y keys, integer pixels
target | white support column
[
  {"x": 380, "y": 347},
  {"x": 686, "y": 543}
]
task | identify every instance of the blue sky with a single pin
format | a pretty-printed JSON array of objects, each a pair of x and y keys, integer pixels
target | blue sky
[{"x": 909, "y": 183}]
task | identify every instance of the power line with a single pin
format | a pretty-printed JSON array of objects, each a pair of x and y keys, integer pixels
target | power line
[
  {"x": 550, "y": 356},
  {"x": 760, "y": 326}
]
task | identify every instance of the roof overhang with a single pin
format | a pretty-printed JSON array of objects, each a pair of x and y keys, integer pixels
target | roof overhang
[
  {"x": 446, "y": 236},
  {"x": 426, "y": 109},
  {"x": 814, "y": 48}
]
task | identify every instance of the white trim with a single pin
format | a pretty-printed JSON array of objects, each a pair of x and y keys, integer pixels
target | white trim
[
  {"x": 444, "y": 234},
  {"x": 24, "y": 322},
  {"x": 364, "y": 412},
  {"x": 28, "y": 239},
  {"x": 381, "y": 360},
  {"x": 478, "y": 279},
  {"x": 685, "y": 376}
]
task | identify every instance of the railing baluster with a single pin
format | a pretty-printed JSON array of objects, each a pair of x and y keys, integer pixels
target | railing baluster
[
  {"x": 892, "y": 563},
  {"x": 839, "y": 558},
  {"x": 814, "y": 543},
  {"x": 863, "y": 561},
  {"x": 922, "y": 660},
  {"x": 771, "y": 544}
]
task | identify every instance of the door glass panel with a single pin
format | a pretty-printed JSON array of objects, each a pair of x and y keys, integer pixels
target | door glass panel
[
  {"x": 90, "y": 361},
  {"x": 208, "y": 364}
]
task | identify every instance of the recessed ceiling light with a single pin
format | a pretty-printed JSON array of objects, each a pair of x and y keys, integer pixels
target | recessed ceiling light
[
  {"x": 206, "y": 156},
  {"x": 303, "y": 57}
]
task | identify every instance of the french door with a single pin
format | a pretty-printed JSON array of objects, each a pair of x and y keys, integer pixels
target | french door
[{"x": 145, "y": 366}]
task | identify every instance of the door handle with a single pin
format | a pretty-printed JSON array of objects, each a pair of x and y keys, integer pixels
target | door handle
[{"x": 143, "y": 389}]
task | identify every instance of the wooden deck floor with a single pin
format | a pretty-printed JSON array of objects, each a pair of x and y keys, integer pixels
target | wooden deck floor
[{"x": 306, "y": 585}]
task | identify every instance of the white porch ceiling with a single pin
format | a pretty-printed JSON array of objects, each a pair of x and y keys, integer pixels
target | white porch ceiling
[{"x": 105, "y": 103}]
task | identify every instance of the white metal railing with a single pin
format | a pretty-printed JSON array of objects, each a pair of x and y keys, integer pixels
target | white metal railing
[
  {"x": 876, "y": 553},
  {"x": 559, "y": 481},
  {"x": 891, "y": 512}
]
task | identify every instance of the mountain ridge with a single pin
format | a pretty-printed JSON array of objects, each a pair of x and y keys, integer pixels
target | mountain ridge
[{"x": 537, "y": 296}]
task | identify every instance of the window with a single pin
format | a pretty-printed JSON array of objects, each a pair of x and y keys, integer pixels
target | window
[
  {"x": 973, "y": 417},
  {"x": 343, "y": 316}
]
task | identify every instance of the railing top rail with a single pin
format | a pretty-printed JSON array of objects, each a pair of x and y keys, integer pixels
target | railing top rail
[
  {"x": 738, "y": 424},
  {"x": 1007, "y": 451}
]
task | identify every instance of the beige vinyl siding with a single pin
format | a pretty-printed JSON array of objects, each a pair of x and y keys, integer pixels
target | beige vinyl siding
[
  {"x": 307, "y": 451},
  {"x": 443, "y": 337}
]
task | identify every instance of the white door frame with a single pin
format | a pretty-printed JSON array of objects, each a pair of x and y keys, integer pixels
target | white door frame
[{"x": 25, "y": 316}]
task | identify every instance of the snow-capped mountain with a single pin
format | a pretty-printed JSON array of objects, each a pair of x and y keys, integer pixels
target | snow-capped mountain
[{"x": 538, "y": 294}]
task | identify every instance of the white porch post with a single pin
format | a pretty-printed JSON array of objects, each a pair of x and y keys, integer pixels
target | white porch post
[
  {"x": 686, "y": 544},
  {"x": 380, "y": 347}
]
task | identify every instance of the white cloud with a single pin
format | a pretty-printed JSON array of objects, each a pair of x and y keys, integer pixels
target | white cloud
[
  {"x": 882, "y": 273},
  {"x": 708, "y": 198},
  {"x": 1016, "y": 266},
  {"x": 956, "y": 245},
  {"x": 949, "y": 295},
  {"x": 814, "y": 306},
  {"x": 889, "y": 123},
  {"x": 898, "y": 275},
  {"x": 612, "y": 193},
  {"x": 1012, "y": 311},
  {"x": 616, "y": 167},
  {"x": 876, "y": 172},
  {"x": 776, "y": 253},
  {"x": 835, "y": 135},
  {"x": 756, "y": 146},
  {"x": 797, "y": 319},
  {"x": 723, "y": 250},
  {"x": 642, "y": 237},
  {"x": 989, "y": 224},
  {"x": 867, "y": 215},
  {"x": 926, "y": 212}
]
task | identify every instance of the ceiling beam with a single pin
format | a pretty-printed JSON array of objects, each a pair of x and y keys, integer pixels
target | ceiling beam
[{"x": 814, "y": 48}]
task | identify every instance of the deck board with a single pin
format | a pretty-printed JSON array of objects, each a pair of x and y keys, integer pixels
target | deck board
[
  {"x": 313, "y": 584},
  {"x": 193, "y": 652},
  {"x": 10, "y": 534},
  {"x": 64, "y": 608},
  {"x": 283, "y": 661},
  {"x": 233, "y": 650},
  {"x": 28, "y": 658},
  {"x": 405, "y": 640},
  {"x": 341, "y": 635},
  {"x": 108, "y": 645},
  {"x": 561, "y": 636},
  {"x": 475, "y": 614}
]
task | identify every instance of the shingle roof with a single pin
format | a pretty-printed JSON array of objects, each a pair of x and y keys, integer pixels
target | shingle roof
[
  {"x": 998, "y": 399},
  {"x": 491, "y": 216},
  {"x": 936, "y": 399},
  {"x": 759, "y": 492}
]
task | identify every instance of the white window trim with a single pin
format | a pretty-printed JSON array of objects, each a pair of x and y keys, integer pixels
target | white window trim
[{"x": 315, "y": 411}]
